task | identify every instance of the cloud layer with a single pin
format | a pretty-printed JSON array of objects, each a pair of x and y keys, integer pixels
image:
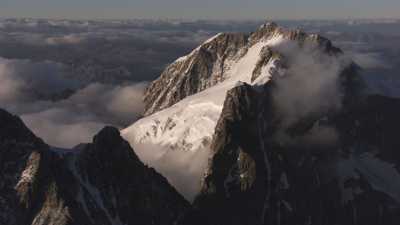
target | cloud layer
[{"x": 62, "y": 111}]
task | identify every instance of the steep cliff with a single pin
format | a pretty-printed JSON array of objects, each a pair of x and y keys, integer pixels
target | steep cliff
[{"x": 333, "y": 168}]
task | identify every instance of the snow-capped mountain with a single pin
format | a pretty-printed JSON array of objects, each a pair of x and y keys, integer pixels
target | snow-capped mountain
[
  {"x": 287, "y": 128},
  {"x": 185, "y": 103}
]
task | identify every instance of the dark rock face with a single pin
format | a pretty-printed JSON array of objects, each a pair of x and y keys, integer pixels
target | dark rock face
[
  {"x": 266, "y": 55},
  {"x": 233, "y": 191},
  {"x": 19, "y": 149},
  {"x": 99, "y": 183},
  {"x": 203, "y": 68},
  {"x": 256, "y": 177},
  {"x": 13, "y": 129}
]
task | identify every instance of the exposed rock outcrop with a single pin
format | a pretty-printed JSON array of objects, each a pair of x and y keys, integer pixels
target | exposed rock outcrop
[{"x": 201, "y": 69}]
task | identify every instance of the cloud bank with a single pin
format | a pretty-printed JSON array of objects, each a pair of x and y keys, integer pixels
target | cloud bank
[{"x": 62, "y": 111}]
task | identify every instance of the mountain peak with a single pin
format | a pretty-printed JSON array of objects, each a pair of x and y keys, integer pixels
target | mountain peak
[
  {"x": 12, "y": 128},
  {"x": 208, "y": 64},
  {"x": 269, "y": 25},
  {"x": 108, "y": 136}
]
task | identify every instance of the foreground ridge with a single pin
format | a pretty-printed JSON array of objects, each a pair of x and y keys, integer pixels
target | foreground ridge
[{"x": 103, "y": 182}]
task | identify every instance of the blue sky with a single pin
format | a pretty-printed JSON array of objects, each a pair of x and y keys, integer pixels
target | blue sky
[{"x": 201, "y": 9}]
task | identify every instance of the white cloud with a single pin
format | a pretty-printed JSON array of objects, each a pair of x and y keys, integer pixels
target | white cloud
[
  {"x": 56, "y": 128},
  {"x": 311, "y": 83}
]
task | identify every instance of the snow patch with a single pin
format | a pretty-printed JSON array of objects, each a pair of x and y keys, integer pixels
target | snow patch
[{"x": 29, "y": 172}]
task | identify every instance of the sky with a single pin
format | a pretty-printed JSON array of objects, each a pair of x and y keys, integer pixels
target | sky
[{"x": 201, "y": 9}]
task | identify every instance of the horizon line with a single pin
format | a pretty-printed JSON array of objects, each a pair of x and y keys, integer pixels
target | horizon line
[{"x": 203, "y": 19}]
